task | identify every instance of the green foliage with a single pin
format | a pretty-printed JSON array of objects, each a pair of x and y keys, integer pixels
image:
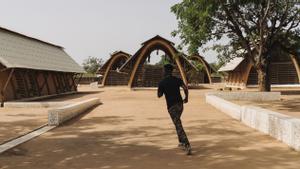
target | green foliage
[
  {"x": 253, "y": 27},
  {"x": 217, "y": 65},
  {"x": 164, "y": 60},
  {"x": 92, "y": 64},
  {"x": 198, "y": 65}
]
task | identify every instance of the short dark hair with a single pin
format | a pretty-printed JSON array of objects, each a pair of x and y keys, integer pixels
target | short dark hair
[{"x": 168, "y": 67}]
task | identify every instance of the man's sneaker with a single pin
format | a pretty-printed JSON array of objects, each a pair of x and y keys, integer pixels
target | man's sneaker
[{"x": 188, "y": 150}]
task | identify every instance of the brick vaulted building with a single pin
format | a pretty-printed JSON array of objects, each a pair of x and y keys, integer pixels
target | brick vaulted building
[
  {"x": 283, "y": 71},
  {"x": 31, "y": 68}
]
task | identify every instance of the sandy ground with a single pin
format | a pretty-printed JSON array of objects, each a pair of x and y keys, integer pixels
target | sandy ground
[
  {"x": 289, "y": 103},
  {"x": 17, "y": 121},
  {"x": 132, "y": 129}
]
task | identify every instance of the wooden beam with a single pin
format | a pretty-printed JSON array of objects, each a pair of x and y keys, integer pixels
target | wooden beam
[
  {"x": 67, "y": 83},
  {"x": 61, "y": 84},
  {"x": 73, "y": 81},
  {"x": 44, "y": 83},
  {"x": 14, "y": 88},
  {"x": 5, "y": 86},
  {"x": 55, "y": 82},
  {"x": 69, "y": 76},
  {"x": 46, "y": 75},
  {"x": 24, "y": 78},
  {"x": 247, "y": 73},
  {"x": 79, "y": 79},
  {"x": 207, "y": 70},
  {"x": 297, "y": 65},
  {"x": 111, "y": 63},
  {"x": 36, "y": 82},
  {"x": 8, "y": 80}
]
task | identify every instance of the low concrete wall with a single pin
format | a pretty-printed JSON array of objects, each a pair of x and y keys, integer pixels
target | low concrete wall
[
  {"x": 34, "y": 104},
  {"x": 279, "y": 126},
  {"x": 231, "y": 109},
  {"x": 45, "y": 97},
  {"x": 248, "y": 96},
  {"x": 59, "y": 115}
]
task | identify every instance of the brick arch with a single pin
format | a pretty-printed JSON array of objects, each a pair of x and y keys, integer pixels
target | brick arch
[
  {"x": 112, "y": 62},
  {"x": 156, "y": 43}
]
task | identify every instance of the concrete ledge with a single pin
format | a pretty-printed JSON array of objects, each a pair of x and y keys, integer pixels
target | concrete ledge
[
  {"x": 279, "y": 126},
  {"x": 34, "y": 104},
  {"x": 59, "y": 115},
  {"x": 278, "y": 86},
  {"x": 248, "y": 96},
  {"x": 45, "y": 97},
  {"x": 233, "y": 110}
]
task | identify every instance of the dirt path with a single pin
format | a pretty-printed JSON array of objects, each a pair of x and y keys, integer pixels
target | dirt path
[
  {"x": 17, "y": 121},
  {"x": 133, "y": 130}
]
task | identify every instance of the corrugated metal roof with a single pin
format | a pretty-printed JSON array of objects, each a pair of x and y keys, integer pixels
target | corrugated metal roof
[
  {"x": 231, "y": 65},
  {"x": 21, "y": 51}
]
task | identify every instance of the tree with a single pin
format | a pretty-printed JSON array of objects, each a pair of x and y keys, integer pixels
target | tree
[
  {"x": 92, "y": 64},
  {"x": 253, "y": 29},
  {"x": 164, "y": 60}
]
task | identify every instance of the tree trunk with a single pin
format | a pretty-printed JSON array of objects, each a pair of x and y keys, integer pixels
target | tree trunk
[{"x": 264, "y": 78}]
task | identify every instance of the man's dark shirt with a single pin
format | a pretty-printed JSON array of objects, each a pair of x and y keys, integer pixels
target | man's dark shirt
[{"x": 170, "y": 87}]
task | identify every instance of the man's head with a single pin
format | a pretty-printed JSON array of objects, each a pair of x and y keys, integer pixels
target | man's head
[{"x": 168, "y": 68}]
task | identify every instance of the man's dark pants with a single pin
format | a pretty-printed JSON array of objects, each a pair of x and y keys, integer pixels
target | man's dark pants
[{"x": 175, "y": 112}]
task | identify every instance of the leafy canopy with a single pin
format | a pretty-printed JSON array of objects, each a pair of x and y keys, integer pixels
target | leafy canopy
[
  {"x": 92, "y": 64},
  {"x": 252, "y": 28}
]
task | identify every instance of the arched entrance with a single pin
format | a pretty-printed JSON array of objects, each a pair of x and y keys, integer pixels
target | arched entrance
[
  {"x": 135, "y": 65},
  {"x": 206, "y": 67},
  {"x": 283, "y": 71},
  {"x": 111, "y": 76}
]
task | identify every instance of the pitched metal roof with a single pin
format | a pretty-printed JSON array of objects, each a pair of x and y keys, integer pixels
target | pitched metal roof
[
  {"x": 231, "y": 65},
  {"x": 21, "y": 51}
]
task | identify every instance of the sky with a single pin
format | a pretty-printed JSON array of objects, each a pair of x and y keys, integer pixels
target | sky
[{"x": 92, "y": 27}]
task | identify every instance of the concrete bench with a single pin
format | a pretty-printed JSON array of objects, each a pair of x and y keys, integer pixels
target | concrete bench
[
  {"x": 248, "y": 96},
  {"x": 59, "y": 115},
  {"x": 34, "y": 104},
  {"x": 282, "y": 127}
]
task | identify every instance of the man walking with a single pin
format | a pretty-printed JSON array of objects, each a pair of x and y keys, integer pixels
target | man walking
[{"x": 170, "y": 87}]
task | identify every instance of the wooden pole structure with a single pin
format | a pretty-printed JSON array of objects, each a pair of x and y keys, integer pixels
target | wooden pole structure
[
  {"x": 37, "y": 83},
  {"x": 46, "y": 75},
  {"x": 297, "y": 65},
  {"x": 24, "y": 76},
  {"x": 73, "y": 81},
  {"x": 5, "y": 86}
]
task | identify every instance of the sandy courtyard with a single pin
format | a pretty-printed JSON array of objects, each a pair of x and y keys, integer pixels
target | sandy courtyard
[
  {"x": 132, "y": 129},
  {"x": 18, "y": 121}
]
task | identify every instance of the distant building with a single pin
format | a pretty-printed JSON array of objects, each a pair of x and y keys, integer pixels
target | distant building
[
  {"x": 144, "y": 75},
  {"x": 109, "y": 71},
  {"x": 31, "y": 68},
  {"x": 283, "y": 71}
]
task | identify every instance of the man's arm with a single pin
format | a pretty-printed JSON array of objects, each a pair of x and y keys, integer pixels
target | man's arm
[{"x": 186, "y": 93}]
